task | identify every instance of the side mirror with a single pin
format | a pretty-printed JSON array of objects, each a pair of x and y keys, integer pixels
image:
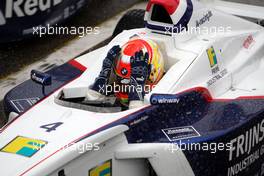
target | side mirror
[{"x": 43, "y": 79}]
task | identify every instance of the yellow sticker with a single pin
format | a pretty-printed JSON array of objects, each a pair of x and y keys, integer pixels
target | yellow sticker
[
  {"x": 24, "y": 146},
  {"x": 104, "y": 169},
  {"x": 212, "y": 56}
]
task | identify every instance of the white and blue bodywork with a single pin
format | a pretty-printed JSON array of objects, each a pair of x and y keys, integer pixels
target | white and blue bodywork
[{"x": 205, "y": 116}]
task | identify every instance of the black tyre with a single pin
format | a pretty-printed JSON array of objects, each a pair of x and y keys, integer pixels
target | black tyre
[
  {"x": 131, "y": 20},
  {"x": 262, "y": 23}
]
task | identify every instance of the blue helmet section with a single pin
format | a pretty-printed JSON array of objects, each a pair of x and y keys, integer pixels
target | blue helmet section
[{"x": 17, "y": 18}]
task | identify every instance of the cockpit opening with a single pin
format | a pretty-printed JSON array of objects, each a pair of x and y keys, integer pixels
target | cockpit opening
[{"x": 160, "y": 14}]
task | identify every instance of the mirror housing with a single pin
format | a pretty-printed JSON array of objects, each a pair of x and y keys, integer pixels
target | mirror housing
[
  {"x": 41, "y": 78},
  {"x": 38, "y": 77}
]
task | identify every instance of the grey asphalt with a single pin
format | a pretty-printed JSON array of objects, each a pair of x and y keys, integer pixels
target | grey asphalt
[{"x": 253, "y": 2}]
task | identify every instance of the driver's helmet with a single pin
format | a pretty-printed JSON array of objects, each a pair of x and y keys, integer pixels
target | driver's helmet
[{"x": 122, "y": 68}]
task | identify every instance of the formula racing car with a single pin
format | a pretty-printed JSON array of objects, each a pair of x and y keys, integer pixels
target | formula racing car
[{"x": 204, "y": 117}]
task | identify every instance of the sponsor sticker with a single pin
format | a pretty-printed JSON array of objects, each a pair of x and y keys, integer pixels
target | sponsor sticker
[
  {"x": 212, "y": 59},
  {"x": 205, "y": 18},
  {"x": 24, "y": 146},
  {"x": 137, "y": 121},
  {"x": 248, "y": 43},
  {"x": 22, "y": 104},
  {"x": 104, "y": 169},
  {"x": 24, "y": 8},
  {"x": 217, "y": 77},
  {"x": 177, "y": 133},
  {"x": 247, "y": 150}
]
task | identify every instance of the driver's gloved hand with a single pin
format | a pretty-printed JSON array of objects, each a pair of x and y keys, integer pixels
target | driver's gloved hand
[
  {"x": 139, "y": 74},
  {"x": 103, "y": 78}
]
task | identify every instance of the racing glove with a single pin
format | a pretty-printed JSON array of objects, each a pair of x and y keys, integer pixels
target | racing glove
[
  {"x": 139, "y": 74},
  {"x": 103, "y": 78}
]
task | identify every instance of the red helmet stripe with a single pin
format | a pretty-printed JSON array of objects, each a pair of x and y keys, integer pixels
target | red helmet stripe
[
  {"x": 136, "y": 45},
  {"x": 170, "y": 5}
]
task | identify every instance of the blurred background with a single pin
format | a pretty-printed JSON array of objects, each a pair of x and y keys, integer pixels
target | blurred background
[{"x": 15, "y": 53}]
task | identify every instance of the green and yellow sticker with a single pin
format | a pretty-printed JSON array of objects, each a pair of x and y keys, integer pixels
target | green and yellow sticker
[
  {"x": 104, "y": 169},
  {"x": 24, "y": 146},
  {"x": 212, "y": 56}
]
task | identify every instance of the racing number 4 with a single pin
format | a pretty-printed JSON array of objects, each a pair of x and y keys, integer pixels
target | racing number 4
[{"x": 51, "y": 127}]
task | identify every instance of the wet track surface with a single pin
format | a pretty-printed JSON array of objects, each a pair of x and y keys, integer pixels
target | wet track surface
[{"x": 15, "y": 56}]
